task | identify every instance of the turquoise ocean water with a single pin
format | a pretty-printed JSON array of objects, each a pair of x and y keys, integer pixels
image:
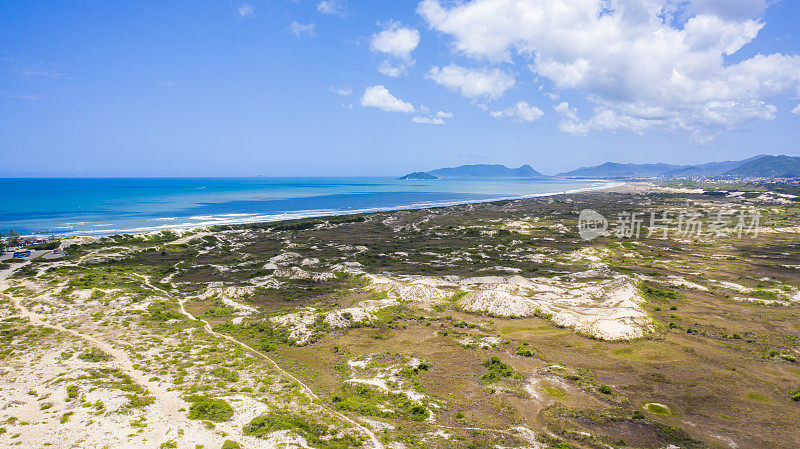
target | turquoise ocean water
[{"x": 100, "y": 206}]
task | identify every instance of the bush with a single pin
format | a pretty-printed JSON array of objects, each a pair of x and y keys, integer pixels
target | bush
[
  {"x": 317, "y": 435},
  {"x": 525, "y": 352},
  {"x": 264, "y": 335},
  {"x": 164, "y": 311},
  {"x": 370, "y": 401},
  {"x": 662, "y": 293},
  {"x": 209, "y": 409},
  {"x": 230, "y": 444},
  {"x": 497, "y": 370},
  {"x": 763, "y": 294},
  {"x": 605, "y": 389},
  {"x": 94, "y": 355},
  {"x": 72, "y": 392}
]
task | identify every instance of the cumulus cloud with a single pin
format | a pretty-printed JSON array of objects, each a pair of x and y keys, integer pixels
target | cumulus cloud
[
  {"x": 300, "y": 30},
  {"x": 520, "y": 112},
  {"x": 388, "y": 69},
  {"x": 442, "y": 114},
  {"x": 472, "y": 83},
  {"x": 796, "y": 110},
  {"x": 332, "y": 7},
  {"x": 397, "y": 42},
  {"x": 379, "y": 97},
  {"x": 428, "y": 120},
  {"x": 641, "y": 64},
  {"x": 246, "y": 10}
]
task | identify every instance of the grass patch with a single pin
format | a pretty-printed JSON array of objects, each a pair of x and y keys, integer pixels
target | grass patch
[
  {"x": 753, "y": 396},
  {"x": 209, "y": 409},
  {"x": 658, "y": 409},
  {"x": 555, "y": 392},
  {"x": 318, "y": 435},
  {"x": 371, "y": 401},
  {"x": 661, "y": 293}
]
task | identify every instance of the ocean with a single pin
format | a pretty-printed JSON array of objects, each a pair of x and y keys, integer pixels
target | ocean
[{"x": 103, "y": 206}]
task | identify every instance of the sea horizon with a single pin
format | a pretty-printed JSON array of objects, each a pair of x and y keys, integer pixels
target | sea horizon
[{"x": 95, "y": 206}]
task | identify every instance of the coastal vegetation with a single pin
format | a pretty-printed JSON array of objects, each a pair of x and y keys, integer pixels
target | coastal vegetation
[{"x": 418, "y": 326}]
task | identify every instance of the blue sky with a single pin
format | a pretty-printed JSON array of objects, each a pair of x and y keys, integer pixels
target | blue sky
[{"x": 256, "y": 88}]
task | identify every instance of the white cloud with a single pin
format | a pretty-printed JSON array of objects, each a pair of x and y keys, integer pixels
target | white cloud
[
  {"x": 641, "y": 64},
  {"x": 396, "y": 40},
  {"x": 333, "y": 7},
  {"x": 379, "y": 97},
  {"x": 428, "y": 120},
  {"x": 796, "y": 110},
  {"x": 300, "y": 30},
  {"x": 343, "y": 91},
  {"x": 246, "y": 10},
  {"x": 390, "y": 70},
  {"x": 442, "y": 114},
  {"x": 472, "y": 83},
  {"x": 520, "y": 112}
]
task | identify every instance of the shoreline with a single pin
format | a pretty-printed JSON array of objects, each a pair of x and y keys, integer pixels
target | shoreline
[{"x": 321, "y": 213}]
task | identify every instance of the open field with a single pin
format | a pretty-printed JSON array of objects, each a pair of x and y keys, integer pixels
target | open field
[{"x": 485, "y": 325}]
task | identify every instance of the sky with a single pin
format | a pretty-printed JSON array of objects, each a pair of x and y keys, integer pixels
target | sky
[{"x": 387, "y": 87}]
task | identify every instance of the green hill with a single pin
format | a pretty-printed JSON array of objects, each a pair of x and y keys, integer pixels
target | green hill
[{"x": 768, "y": 167}]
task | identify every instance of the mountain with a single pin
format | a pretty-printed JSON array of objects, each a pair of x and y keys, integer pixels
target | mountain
[
  {"x": 761, "y": 166},
  {"x": 709, "y": 169},
  {"x": 418, "y": 175},
  {"x": 486, "y": 171},
  {"x": 615, "y": 170},
  {"x": 768, "y": 167}
]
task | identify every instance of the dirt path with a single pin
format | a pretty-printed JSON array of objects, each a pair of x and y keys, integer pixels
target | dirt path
[
  {"x": 305, "y": 388},
  {"x": 167, "y": 401}
]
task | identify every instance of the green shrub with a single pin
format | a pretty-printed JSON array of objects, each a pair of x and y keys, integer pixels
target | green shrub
[
  {"x": 94, "y": 355},
  {"x": 226, "y": 374},
  {"x": 164, "y": 311},
  {"x": 497, "y": 370},
  {"x": 371, "y": 401},
  {"x": 72, "y": 392},
  {"x": 525, "y": 352},
  {"x": 763, "y": 294},
  {"x": 230, "y": 444},
  {"x": 795, "y": 395},
  {"x": 605, "y": 389},
  {"x": 264, "y": 335},
  {"x": 318, "y": 435},
  {"x": 661, "y": 293},
  {"x": 209, "y": 409}
]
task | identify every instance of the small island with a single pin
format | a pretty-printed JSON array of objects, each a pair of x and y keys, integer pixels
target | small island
[{"x": 418, "y": 175}]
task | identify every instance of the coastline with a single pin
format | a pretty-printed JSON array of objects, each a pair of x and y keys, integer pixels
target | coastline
[{"x": 253, "y": 219}]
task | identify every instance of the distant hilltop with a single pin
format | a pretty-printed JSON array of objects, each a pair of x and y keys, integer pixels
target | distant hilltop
[
  {"x": 762, "y": 166},
  {"x": 477, "y": 171},
  {"x": 418, "y": 175}
]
